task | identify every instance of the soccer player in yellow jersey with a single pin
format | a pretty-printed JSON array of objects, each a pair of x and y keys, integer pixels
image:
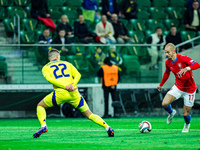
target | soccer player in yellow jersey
[{"x": 64, "y": 77}]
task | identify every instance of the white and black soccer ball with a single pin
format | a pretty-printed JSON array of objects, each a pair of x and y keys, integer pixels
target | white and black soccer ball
[{"x": 145, "y": 127}]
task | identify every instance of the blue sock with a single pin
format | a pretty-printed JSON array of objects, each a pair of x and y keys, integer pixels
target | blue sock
[
  {"x": 187, "y": 119},
  {"x": 169, "y": 109}
]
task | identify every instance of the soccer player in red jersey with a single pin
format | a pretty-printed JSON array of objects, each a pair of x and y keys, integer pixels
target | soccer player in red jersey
[{"x": 184, "y": 86}]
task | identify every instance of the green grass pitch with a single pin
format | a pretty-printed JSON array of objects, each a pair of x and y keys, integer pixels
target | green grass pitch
[{"x": 16, "y": 134}]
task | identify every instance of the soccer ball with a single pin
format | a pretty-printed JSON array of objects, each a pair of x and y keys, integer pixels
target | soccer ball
[{"x": 145, "y": 127}]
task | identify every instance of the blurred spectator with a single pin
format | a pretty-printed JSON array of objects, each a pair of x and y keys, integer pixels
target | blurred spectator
[
  {"x": 99, "y": 57},
  {"x": 174, "y": 37},
  {"x": 64, "y": 24},
  {"x": 155, "y": 51},
  {"x": 44, "y": 38},
  {"x": 192, "y": 17},
  {"x": 190, "y": 2},
  {"x": 109, "y": 74},
  {"x": 81, "y": 31},
  {"x": 62, "y": 39},
  {"x": 128, "y": 9},
  {"x": 105, "y": 31},
  {"x": 109, "y": 7},
  {"x": 115, "y": 58},
  {"x": 40, "y": 11},
  {"x": 121, "y": 33},
  {"x": 90, "y": 10}
]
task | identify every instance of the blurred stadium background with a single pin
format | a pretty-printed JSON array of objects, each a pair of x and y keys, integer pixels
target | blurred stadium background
[{"x": 23, "y": 86}]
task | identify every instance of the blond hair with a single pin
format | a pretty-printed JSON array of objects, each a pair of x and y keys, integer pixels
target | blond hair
[
  {"x": 66, "y": 17},
  {"x": 171, "y": 46},
  {"x": 52, "y": 53}
]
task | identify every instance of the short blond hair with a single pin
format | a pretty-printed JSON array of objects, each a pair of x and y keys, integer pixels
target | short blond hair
[
  {"x": 65, "y": 17},
  {"x": 52, "y": 53},
  {"x": 171, "y": 46}
]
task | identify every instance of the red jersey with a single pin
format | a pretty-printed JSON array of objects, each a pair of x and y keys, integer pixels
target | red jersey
[{"x": 184, "y": 82}]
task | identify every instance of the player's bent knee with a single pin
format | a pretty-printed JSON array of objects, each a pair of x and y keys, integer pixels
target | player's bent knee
[
  {"x": 164, "y": 104},
  {"x": 185, "y": 114}
]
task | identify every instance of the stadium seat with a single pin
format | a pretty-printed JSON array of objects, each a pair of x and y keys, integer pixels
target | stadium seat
[
  {"x": 133, "y": 69},
  {"x": 187, "y": 35},
  {"x": 89, "y": 24},
  {"x": 122, "y": 50},
  {"x": 79, "y": 50},
  {"x": 136, "y": 24},
  {"x": 177, "y": 3},
  {"x": 148, "y": 33},
  {"x": 143, "y": 15},
  {"x": 22, "y": 2},
  {"x": 55, "y": 15},
  {"x": 71, "y": 22},
  {"x": 55, "y": 2},
  {"x": 2, "y": 12},
  {"x": 53, "y": 8},
  {"x": 166, "y": 33},
  {"x": 6, "y": 3},
  {"x": 20, "y": 13},
  {"x": 3, "y": 69},
  {"x": 80, "y": 63},
  {"x": 9, "y": 26},
  {"x": 138, "y": 36},
  {"x": 74, "y": 3},
  {"x": 144, "y": 3},
  {"x": 12, "y": 9},
  {"x": 28, "y": 11},
  {"x": 27, "y": 37},
  {"x": 144, "y": 57},
  {"x": 157, "y": 14},
  {"x": 160, "y": 3},
  {"x": 71, "y": 13},
  {"x": 29, "y": 24},
  {"x": 124, "y": 21},
  {"x": 175, "y": 12},
  {"x": 152, "y": 24},
  {"x": 130, "y": 50},
  {"x": 169, "y": 22}
]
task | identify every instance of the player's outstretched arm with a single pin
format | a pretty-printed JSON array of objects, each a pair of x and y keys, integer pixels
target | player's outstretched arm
[{"x": 164, "y": 79}]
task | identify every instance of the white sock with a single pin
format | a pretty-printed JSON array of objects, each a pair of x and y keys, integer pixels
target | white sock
[
  {"x": 107, "y": 128},
  {"x": 44, "y": 125}
]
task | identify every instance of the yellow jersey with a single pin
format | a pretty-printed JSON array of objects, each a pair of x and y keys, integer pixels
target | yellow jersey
[{"x": 61, "y": 74}]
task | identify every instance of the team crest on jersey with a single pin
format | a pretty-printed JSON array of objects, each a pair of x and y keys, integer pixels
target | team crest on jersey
[{"x": 179, "y": 65}]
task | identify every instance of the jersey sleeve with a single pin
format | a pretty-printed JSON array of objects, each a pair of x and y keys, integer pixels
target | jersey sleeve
[
  {"x": 51, "y": 80},
  {"x": 166, "y": 75},
  {"x": 167, "y": 67},
  {"x": 75, "y": 74},
  {"x": 187, "y": 60}
]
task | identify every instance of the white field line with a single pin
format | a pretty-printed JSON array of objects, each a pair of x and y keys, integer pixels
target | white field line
[{"x": 3, "y": 129}]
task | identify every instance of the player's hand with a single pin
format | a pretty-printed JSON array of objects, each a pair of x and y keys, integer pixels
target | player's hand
[
  {"x": 182, "y": 71},
  {"x": 47, "y": 15},
  {"x": 70, "y": 87},
  {"x": 159, "y": 88}
]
